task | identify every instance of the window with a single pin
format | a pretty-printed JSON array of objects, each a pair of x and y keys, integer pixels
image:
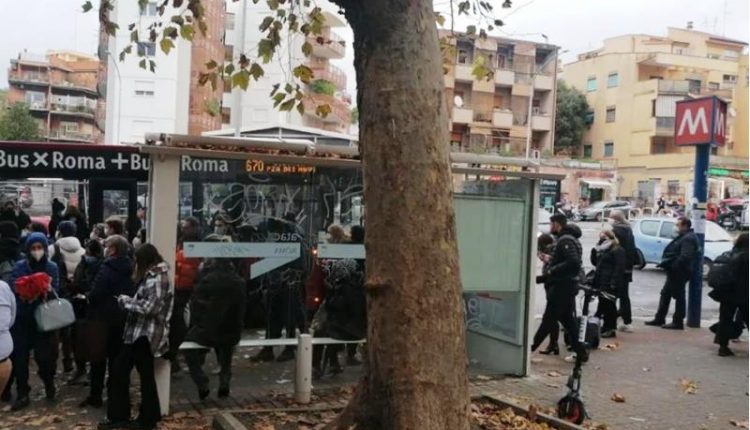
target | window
[
  {"x": 653, "y": 108},
  {"x": 588, "y": 151},
  {"x": 713, "y": 56},
  {"x": 70, "y": 127},
  {"x": 673, "y": 187},
  {"x": 228, "y": 52},
  {"x": 610, "y": 114},
  {"x": 650, "y": 228},
  {"x": 613, "y": 80},
  {"x": 147, "y": 49},
  {"x": 591, "y": 84},
  {"x": 149, "y": 9},
  {"x": 658, "y": 146},
  {"x": 713, "y": 86},
  {"x": 144, "y": 88},
  {"x": 667, "y": 229},
  {"x": 695, "y": 85},
  {"x": 463, "y": 56},
  {"x": 230, "y": 21},
  {"x": 730, "y": 79},
  {"x": 730, "y": 54},
  {"x": 35, "y": 99},
  {"x": 589, "y": 117},
  {"x": 609, "y": 148}
]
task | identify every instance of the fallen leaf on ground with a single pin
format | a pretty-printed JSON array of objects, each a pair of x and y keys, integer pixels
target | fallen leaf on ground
[
  {"x": 553, "y": 373},
  {"x": 611, "y": 346},
  {"x": 646, "y": 369},
  {"x": 483, "y": 378},
  {"x": 618, "y": 398},
  {"x": 531, "y": 414},
  {"x": 689, "y": 386},
  {"x": 740, "y": 424},
  {"x": 537, "y": 360},
  {"x": 551, "y": 385}
]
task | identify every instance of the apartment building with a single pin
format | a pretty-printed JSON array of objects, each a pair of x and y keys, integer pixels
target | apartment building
[
  {"x": 513, "y": 108},
  {"x": 632, "y": 84},
  {"x": 169, "y": 99},
  {"x": 328, "y": 86},
  {"x": 61, "y": 92}
]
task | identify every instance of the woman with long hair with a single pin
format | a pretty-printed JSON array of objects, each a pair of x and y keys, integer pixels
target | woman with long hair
[
  {"x": 609, "y": 258},
  {"x": 146, "y": 336}
]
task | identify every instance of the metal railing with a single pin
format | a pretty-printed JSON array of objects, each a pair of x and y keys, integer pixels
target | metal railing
[
  {"x": 30, "y": 77},
  {"x": 330, "y": 73},
  {"x": 74, "y": 108},
  {"x": 678, "y": 87},
  {"x": 70, "y": 135},
  {"x": 665, "y": 122}
]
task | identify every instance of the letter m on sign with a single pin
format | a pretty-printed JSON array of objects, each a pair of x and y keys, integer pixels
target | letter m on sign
[{"x": 700, "y": 121}]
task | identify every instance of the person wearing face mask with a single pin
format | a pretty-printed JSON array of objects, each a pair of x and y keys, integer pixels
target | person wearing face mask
[
  {"x": 26, "y": 336},
  {"x": 609, "y": 258},
  {"x": 562, "y": 276},
  {"x": 679, "y": 262},
  {"x": 113, "y": 279}
]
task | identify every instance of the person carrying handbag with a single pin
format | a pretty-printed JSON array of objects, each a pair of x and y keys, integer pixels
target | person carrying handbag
[{"x": 25, "y": 333}]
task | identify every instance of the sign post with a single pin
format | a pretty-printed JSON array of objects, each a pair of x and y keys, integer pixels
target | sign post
[{"x": 701, "y": 123}]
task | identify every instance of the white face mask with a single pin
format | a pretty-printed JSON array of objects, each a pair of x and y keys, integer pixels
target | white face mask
[
  {"x": 136, "y": 242},
  {"x": 37, "y": 254}
]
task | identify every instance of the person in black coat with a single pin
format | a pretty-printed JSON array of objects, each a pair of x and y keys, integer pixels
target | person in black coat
[
  {"x": 735, "y": 298},
  {"x": 563, "y": 276},
  {"x": 609, "y": 258},
  {"x": 217, "y": 310},
  {"x": 624, "y": 234},
  {"x": 11, "y": 212},
  {"x": 113, "y": 279},
  {"x": 545, "y": 248},
  {"x": 679, "y": 260},
  {"x": 57, "y": 216}
]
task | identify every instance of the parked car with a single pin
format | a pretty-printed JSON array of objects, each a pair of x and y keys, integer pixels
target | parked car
[
  {"x": 652, "y": 235},
  {"x": 601, "y": 210}
]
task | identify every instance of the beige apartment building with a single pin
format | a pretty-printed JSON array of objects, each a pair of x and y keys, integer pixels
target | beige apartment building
[
  {"x": 632, "y": 84},
  {"x": 60, "y": 89},
  {"x": 514, "y": 106}
]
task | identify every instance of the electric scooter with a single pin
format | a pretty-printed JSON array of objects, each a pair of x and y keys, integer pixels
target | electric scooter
[{"x": 571, "y": 407}]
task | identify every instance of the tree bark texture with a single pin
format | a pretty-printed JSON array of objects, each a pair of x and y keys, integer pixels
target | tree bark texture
[{"x": 417, "y": 364}]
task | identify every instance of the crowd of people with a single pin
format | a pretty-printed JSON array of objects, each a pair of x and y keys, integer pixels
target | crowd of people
[
  {"x": 127, "y": 313},
  {"x": 613, "y": 258}
]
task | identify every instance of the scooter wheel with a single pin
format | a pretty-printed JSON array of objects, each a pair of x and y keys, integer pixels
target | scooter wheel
[{"x": 571, "y": 409}]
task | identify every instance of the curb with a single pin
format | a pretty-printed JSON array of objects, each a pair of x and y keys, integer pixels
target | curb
[
  {"x": 227, "y": 421},
  {"x": 557, "y": 423}
]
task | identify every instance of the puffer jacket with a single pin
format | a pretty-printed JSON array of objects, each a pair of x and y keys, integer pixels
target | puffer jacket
[
  {"x": 217, "y": 307},
  {"x": 27, "y": 267},
  {"x": 186, "y": 271},
  {"x": 679, "y": 256},
  {"x": 610, "y": 268},
  {"x": 565, "y": 264},
  {"x": 112, "y": 280},
  {"x": 624, "y": 234},
  {"x": 71, "y": 252}
]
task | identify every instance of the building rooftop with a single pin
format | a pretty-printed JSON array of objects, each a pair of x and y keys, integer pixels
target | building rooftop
[{"x": 288, "y": 132}]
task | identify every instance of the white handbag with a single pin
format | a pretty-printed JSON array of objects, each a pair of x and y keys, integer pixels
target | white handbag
[{"x": 54, "y": 314}]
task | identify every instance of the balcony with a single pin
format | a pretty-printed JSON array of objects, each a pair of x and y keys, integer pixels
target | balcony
[
  {"x": 664, "y": 126},
  {"x": 39, "y": 105},
  {"x": 483, "y": 85},
  {"x": 502, "y": 118},
  {"x": 328, "y": 44},
  {"x": 541, "y": 122},
  {"x": 544, "y": 82},
  {"x": 462, "y": 115},
  {"x": 70, "y": 135},
  {"x": 505, "y": 78},
  {"x": 521, "y": 89},
  {"x": 330, "y": 73},
  {"x": 71, "y": 86},
  {"x": 340, "y": 111},
  {"x": 673, "y": 87},
  {"x": 463, "y": 73},
  {"x": 29, "y": 78},
  {"x": 85, "y": 109}
]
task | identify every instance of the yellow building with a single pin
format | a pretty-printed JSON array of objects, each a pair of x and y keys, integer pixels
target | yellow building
[{"x": 632, "y": 84}]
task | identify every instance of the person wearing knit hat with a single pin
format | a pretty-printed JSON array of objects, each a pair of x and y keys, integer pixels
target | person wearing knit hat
[{"x": 26, "y": 335}]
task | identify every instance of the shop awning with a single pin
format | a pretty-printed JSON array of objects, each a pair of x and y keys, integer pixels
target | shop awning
[{"x": 597, "y": 183}]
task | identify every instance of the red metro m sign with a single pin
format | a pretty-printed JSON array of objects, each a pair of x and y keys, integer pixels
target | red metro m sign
[{"x": 700, "y": 122}]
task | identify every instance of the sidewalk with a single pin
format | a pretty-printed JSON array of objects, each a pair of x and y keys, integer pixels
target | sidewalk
[{"x": 646, "y": 367}]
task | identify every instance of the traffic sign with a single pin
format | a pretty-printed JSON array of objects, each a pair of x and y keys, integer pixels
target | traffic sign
[{"x": 700, "y": 121}]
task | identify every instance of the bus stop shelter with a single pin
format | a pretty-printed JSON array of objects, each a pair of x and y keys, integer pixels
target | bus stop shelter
[{"x": 289, "y": 193}]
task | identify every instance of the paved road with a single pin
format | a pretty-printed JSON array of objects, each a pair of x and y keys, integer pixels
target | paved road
[{"x": 644, "y": 291}]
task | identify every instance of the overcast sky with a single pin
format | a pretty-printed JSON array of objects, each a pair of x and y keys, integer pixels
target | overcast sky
[{"x": 575, "y": 25}]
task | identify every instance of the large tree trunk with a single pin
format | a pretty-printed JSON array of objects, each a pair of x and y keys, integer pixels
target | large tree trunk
[{"x": 416, "y": 377}]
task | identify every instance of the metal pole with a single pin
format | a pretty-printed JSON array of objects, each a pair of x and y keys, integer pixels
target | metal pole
[
  {"x": 237, "y": 108},
  {"x": 698, "y": 215},
  {"x": 529, "y": 128},
  {"x": 303, "y": 379},
  {"x": 119, "y": 97}
]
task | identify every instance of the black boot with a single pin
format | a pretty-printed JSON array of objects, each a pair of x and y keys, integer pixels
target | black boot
[
  {"x": 21, "y": 402},
  {"x": 724, "y": 351},
  {"x": 90, "y": 401},
  {"x": 223, "y": 392},
  {"x": 203, "y": 393},
  {"x": 551, "y": 350},
  {"x": 49, "y": 390},
  {"x": 655, "y": 322}
]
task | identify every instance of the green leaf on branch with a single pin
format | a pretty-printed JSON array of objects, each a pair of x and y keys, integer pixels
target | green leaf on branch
[
  {"x": 187, "y": 32},
  {"x": 152, "y": 65},
  {"x": 229, "y": 69},
  {"x": 307, "y": 49},
  {"x": 267, "y": 21},
  {"x": 301, "y": 108},
  {"x": 288, "y": 88},
  {"x": 471, "y": 29},
  {"x": 170, "y": 32},
  {"x": 241, "y": 79},
  {"x": 177, "y": 19},
  {"x": 507, "y": 4},
  {"x": 256, "y": 71},
  {"x": 463, "y": 7},
  {"x": 287, "y": 105},
  {"x": 274, "y": 89},
  {"x": 266, "y": 50},
  {"x": 278, "y": 98},
  {"x": 273, "y": 4},
  {"x": 142, "y": 64},
  {"x": 87, "y": 6},
  {"x": 166, "y": 45},
  {"x": 499, "y": 22},
  {"x": 440, "y": 19},
  {"x": 128, "y": 49},
  {"x": 303, "y": 73},
  {"x": 111, "y": 28},
  {"x": 134, "y": 36},
  {"x": 323, "y": 110}
]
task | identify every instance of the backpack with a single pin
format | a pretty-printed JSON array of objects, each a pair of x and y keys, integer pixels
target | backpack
[{"x": 720, "y": 276}]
